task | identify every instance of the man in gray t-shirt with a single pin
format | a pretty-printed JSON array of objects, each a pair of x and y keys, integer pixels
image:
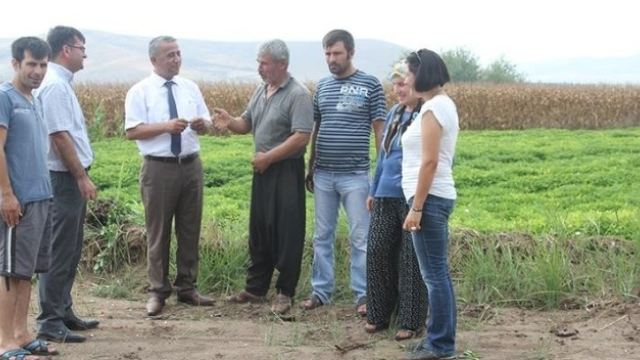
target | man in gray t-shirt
[
  {"x": 25, "y": 229},
  {"x": 280, "y": 116}
]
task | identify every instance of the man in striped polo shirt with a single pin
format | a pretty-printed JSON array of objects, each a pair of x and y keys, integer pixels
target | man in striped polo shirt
[{"x": 347, "y": 105}]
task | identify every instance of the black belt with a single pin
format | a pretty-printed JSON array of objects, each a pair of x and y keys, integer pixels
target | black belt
[
  {"x": 66, "y": 171},
  {"x": 173, "y": 160}
]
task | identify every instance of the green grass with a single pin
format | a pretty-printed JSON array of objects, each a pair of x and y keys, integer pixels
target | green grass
[
  {"x": 544, "y": 218},
  {"x": 549, "y": 182}
]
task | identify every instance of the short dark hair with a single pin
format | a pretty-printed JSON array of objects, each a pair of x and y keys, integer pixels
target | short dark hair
[
  {"x": 429, "y": 69},
  {"x": 337, "y": 35},
  {"x": 60, "y": 36},
  {"x": 38, "y": 48}
]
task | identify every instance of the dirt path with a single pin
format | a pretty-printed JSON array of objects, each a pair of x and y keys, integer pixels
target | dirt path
[{"x": 249, "y": 332}]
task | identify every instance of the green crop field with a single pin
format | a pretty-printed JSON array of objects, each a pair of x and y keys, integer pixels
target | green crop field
[
  {"x": 535, "y": 181},
  {"x": 543, "y": 216}
]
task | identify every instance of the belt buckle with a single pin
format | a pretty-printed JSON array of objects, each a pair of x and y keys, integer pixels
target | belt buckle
[{"x": 181, "y": 160}]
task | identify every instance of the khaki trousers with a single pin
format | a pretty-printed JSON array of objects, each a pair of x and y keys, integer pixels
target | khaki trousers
[{"x": 172, "y": 192}]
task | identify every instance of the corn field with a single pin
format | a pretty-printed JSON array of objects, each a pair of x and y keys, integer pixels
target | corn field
[{"x": 480, "y": 106}]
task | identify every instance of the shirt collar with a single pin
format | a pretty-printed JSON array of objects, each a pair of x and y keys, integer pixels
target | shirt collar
[
  {"x": 160, "y": 81},
  {"x": 283, "y": 85},
  {"x": 61, "y": 71}
]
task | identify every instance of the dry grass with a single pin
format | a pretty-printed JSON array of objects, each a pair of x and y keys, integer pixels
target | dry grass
[
  {"x": 524, "y": 106},
  {"x": 481, "y": 106}
]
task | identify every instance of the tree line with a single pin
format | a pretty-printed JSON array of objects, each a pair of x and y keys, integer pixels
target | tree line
[{"x": 464, "y": 66}]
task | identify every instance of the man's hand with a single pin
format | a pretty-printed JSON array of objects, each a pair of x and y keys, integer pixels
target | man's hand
[
  {"x": 221, "y": 119},
  {"x": 11, "y": 212},
  {"x": 177, "y": 126},
  {"x": 87, "y": 188},
  {"x": 199, "y": 125},
  {"x": 261, "y": 162},
  {"x": 308, "y": 182}
]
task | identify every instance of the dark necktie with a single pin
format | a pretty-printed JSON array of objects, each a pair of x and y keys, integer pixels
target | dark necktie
[{"x": 176, "y": 139}]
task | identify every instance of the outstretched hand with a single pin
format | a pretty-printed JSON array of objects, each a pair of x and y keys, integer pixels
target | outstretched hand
[{"x": 221, "y": 119}]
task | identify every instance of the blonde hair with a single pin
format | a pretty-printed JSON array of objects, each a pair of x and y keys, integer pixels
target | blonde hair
[{"x": 399, "y": 69}]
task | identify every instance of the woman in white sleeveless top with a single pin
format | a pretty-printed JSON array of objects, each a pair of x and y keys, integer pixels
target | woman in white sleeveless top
[{"x": 428, "y": 152}]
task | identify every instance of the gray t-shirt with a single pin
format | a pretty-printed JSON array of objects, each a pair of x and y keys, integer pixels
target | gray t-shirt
[
  {"x": 273, "y": 120},
  {"x": 26, "y": 145}
]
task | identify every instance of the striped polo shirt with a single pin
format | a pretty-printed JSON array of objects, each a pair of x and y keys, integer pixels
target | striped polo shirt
[{"x": 345, "y": 109}]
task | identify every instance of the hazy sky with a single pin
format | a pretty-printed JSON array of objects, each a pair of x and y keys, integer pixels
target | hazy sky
[{"x": 523, "y": 31}]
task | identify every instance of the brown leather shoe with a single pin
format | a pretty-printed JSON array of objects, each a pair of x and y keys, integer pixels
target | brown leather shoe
[
  {"x": 193, "y": 298},
  {"x": 281, "y": 304},
  {"x": 154, "y": 305},
  {"x": 244, "y": 297}
]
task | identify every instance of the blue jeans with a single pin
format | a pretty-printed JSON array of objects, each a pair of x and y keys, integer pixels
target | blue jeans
[
  {"x": 431, "y": 245},
  {"x": 331, "y": 189}
]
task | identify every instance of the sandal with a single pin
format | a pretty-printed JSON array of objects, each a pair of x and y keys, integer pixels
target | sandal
[
  {"x": 244, "y": 297},
  {"x": 374, "y": 328},
  {"x": 16, "y": 354},
  {"x": 40, "y": 348},
  {"x": 361, "y": 306},
  {"x": 406, "y": 334},
  {"x": 311, "y": 303}
]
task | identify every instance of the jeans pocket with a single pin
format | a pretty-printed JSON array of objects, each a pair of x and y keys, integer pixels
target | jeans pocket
[{"x": 437, "y": 210}]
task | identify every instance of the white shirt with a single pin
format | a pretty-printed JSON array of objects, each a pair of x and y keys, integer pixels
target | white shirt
[
  {"x": 62, "y": 112},
  {"x": 443, "y": 185},
  {"x": 147, "y": 103}
]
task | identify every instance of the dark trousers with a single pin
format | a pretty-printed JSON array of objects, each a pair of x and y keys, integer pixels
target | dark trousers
[
  {"x": 54, "y": 286},
  {"x": 393, "y": 272},
  {"x": 172, "y": 192},
  {"x": 277, "y": 227}
]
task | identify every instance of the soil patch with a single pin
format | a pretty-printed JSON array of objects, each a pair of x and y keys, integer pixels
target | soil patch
[{"x": 248, "y": 332}]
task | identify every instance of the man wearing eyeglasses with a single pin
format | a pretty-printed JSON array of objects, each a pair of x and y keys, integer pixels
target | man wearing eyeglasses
[{"x": 69, "y": 159}]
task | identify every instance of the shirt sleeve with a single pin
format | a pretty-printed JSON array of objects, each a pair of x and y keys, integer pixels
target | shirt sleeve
[
  {"x": 203, "y": 110},
  {"x": 302, "y": 113},
  {"x": 378, "y": 108},
  {"x": 246, "y": 114},
  {"x": 380, "y": 159},
  {"x": 441, "y": 109},
  {"x": 316, "y": 106},
  {"x": 5, "y": 110},
  {"x": 134, "y": 108},
  {"x": 57, "y": 107}
]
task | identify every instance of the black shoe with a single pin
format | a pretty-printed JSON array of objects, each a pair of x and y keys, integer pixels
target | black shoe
[
  {"x": 78, "y": 324},
  {"x": 61, "y": 336}
]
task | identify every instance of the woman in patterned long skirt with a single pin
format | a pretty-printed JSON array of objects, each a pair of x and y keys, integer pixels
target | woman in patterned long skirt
[{"x": 393, "y": 273}]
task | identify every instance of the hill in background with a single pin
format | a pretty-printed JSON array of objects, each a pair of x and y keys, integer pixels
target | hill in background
[{"x": 123, "y": 58}]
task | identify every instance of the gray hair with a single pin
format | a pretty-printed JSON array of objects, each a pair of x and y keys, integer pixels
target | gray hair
[
  {"x": 276, "y": 48},
  {"x": 154, "y": 44}
]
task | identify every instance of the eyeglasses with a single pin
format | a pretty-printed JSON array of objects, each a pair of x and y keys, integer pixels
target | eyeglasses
[
  {"x": 82, "y": 48},
  {"x": 417, "y": 53}
]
